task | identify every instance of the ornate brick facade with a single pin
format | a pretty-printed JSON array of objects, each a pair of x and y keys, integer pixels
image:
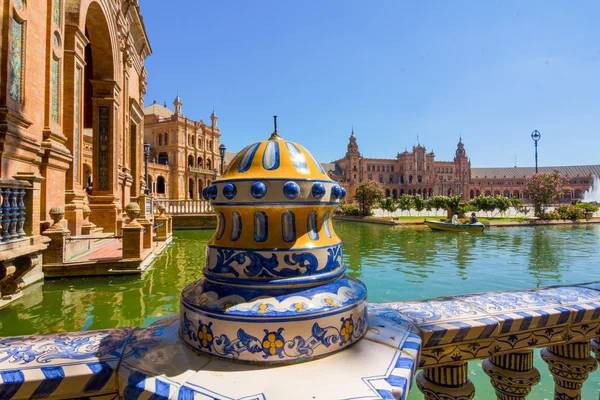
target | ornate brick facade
[
  {"x": 71, "y": 100},
  {"x": 418, "y": 172},
  {"x": 184, "y": 155}
]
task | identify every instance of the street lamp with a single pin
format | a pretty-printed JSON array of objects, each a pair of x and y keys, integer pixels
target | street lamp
[
  {"x": 536, "y": 136},
  {"x": 222, "y": 153},
  {"x": 146, "y": 155}
]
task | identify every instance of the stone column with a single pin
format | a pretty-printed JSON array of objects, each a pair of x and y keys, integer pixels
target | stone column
[
  {"x": 74, "y": 66},
  {"x": 105, "y": 183},
  {"x": 56, "y": 252},
  {"x": 448, "y": 382},
  {"x": 133, "y": 237},
  {"x": 512, "y": 375},
  {"x": 32, "y": 202},
  {"x": 570, "y": 364},
  {"x": 146, "y": 219}
]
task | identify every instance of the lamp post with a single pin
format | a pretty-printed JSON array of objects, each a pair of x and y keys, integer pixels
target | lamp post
[
  {"x": 536, "y": 136},
  {"x": 222, "y": 153},
  {"x": 146, "y": 156}
]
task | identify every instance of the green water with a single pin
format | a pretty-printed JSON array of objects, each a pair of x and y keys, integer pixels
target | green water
[{"x": 395, "y": 263}]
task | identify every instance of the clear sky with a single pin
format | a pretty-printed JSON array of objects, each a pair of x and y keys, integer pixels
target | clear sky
[{"x": 491, "y": 71}]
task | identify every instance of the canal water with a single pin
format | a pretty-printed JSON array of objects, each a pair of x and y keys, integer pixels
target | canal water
[{"x": 396, "y": 264}]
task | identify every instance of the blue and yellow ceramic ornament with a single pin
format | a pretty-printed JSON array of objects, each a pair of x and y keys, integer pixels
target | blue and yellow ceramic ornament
[{"x": 274, "y": 287}]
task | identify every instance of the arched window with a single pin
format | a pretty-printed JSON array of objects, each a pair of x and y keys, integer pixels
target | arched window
[
  {"x": 402, "y": 179},
  {"x": 200, "y": 164},
  {"x": 160, "y": 139},
  {"x": 208, "y": 163},
  {"x": 190, "y": 160},
  {"x": 368, "y": 167},
  {"x": 191, "y": 188},
  {"x": 160, "y": 185},
  {"x": 166, "y": 138},
  {"x": 410, "y": 179},
  {"x": 419, "y": 179}
]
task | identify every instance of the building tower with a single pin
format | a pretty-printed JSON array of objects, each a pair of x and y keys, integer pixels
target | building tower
[
  {"x": 177, "y": 104},
  {"x": 213, "y": 118},
  {"x": 462, "y": 168}
]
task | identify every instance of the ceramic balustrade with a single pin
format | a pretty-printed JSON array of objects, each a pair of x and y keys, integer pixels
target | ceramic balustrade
[
  {"x": 12, "y": 208},
  {"x": 183, "y": 207},
  {"x": 503, "y": 328}
]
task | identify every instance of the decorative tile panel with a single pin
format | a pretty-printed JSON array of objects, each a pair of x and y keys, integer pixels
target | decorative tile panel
[
  {"x": 19, "y": 4},
  {"x": 76, "y": 131},
  {"x": 55, "y": 77},
  {"x": 56, "y": 9},
  {"x": 103, "y": 146},
  {"x": 16, "y": 61}
]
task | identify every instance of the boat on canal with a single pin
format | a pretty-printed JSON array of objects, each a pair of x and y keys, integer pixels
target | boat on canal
[{"x": 448, "y": 226}]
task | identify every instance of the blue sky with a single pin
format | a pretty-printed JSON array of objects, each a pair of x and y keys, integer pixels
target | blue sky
[{"x": 491, "y": 71}]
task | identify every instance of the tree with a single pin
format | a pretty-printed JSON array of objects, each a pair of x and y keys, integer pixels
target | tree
[
  {"x": 502, "y": 204},
  {"x": 419, "y": 203},
  {"x": 388, "y": 204},
  {"x": 545, "y": 189},
  {"x": 438, "y": 203},
  {"x": 405, "y": 203},
  {"x": 368, "y": 195}
]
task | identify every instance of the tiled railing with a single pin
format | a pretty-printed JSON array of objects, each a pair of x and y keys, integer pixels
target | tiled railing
[
  {"x": 503, "y": 328},
  {"x": 182, "y": 207},
  {"x": 201, "y": 170},
  {"x": 12, "y": 208}
]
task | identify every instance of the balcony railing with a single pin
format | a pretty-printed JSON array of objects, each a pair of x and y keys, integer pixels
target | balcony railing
[
  {"x": 201, "y": 170},
  {"x": 12, "y": 208},
  {"x": 182, "y": 207},
  {"x": 503, "y": 328}
]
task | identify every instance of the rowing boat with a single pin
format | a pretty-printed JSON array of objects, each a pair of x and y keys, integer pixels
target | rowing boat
[{"x": 447, "y": 226}]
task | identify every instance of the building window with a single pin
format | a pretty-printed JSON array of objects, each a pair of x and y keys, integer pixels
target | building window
[
  {"x": 160, "y": 185},
  {"x": 368, "y": 167},
  {"x": 380, "y": 178},
  {"x": 163, "y": 158},
  {"x": 419, "y": 179},
  {"x": 410, "y": 179},
  {"x": 166, "y": 138},
  {"x": 160, "y": 139},
  {"x": 369, "y": 176},
  {"x": 392, "y": 168}
]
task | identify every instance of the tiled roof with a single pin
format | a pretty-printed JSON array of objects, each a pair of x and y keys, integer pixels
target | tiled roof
[
  {"x": 332, "y": 168},
  {"x": 157, "y": 109},
  {"x": 520, "y": 172}
]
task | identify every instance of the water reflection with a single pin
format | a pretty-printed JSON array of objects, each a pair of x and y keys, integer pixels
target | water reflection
[{"x": 396, "y": 264}]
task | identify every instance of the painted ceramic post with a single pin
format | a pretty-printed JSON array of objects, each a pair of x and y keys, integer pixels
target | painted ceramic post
[
  {"x": 274, "y": 287},
  {"x": 512, "y": 375},
  {"x": 448, "y": 382},
  {"x": 570, "y": 364}
]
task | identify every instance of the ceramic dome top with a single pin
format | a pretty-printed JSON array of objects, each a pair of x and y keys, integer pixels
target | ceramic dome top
[
  {"x": 274, "y": 287},
  {"x": 275, "y": 158}
]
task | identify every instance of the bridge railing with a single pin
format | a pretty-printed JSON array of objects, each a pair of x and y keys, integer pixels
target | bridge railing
[
  {"x": 182, "y": 207},
  {"x": 503, "y": 328}
]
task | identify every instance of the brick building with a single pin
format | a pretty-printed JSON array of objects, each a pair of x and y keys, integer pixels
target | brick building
[
  {"x": 71, "y": 101},
  {"x": 418, "y": 172},
  {"x": 184, "y": 156}
]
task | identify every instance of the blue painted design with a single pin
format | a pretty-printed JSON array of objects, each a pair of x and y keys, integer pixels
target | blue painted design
[
  {"x": 136, "y": 384},
  {"x": 247, "y": 158},
  {"x": 53, "y": 376},
  {"x": 271, "y": 156},
  {"x": 291, "y": 190},
  {"x": 185, "y": 393},
  {"x": 336, "y": 192},
  {"x": 212, "y": 192},
  {"x": 229, "y": 191},
  {"x": 205, "y": 193},
  {"x": 317, "y": 163},
  {"x": 288, "y": 226},
  {"x": 318, "y": 190},
  {"x": 274, "y": 344},
  {"x": 161, "y": 390},
  {"x": 236, "y": 226},
  {"x": 326, "y": 224},
  {"x": 72, "y": 346},
  {"x": 311, "y": 225},
  {"x": 343, "y": 193},
  {"x": 102, "y": 372},
  {"x": 221, "y": 229},
  {"x": 297, "y": 158},
  {"x": 261, "y": 226},
  {"x": 205, "y": 335},
  {"x": 12, "y": 382},
  {"x": 258, "y": 190},
  {"x": 346, "y": 330}
]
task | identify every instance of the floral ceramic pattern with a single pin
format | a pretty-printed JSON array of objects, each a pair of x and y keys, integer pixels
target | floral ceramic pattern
[
  {"x": 16, "y": 60},
  {"x": 436, "y": 310},
  {"x": 19, "y": 4},
  {"x": 273, "y": 344},
  {"x": 103, "y": 141}
]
